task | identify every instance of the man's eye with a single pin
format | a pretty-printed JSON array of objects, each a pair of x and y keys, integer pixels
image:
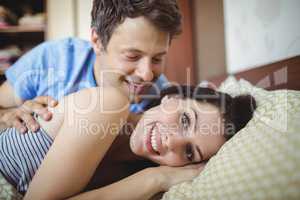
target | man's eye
[
  {"x": 132, "y": 57},
  {"x": 185, "y": 120},
  {"x": 156, "y": 60},
  {"x": 189, "y": 153}
]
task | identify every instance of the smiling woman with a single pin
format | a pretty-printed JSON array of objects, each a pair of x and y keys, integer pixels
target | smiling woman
[
  {"x": 189, "y": 125},
  {"x": 185, "y": 125}
]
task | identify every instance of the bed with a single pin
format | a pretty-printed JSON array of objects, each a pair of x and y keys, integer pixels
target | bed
[
  {"x": 284, "y": 74},
  {"x": 262, "y": 161}
]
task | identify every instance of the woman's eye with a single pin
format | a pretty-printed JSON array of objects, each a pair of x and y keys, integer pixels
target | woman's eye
[
  {"x": 185, "y": 121},
  {"x": 189, "y": 153}
]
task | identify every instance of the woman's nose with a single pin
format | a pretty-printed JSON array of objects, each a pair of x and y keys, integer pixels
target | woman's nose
[{"x": 174, "y": 142}]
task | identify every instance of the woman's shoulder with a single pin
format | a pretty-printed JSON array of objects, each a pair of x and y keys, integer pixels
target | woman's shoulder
[
  {"x": 99, "y": 99},
  {"x": 97, "y": 104}
]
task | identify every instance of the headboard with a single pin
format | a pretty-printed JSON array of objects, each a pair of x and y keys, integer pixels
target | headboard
[{"x": 284, "y": 74}]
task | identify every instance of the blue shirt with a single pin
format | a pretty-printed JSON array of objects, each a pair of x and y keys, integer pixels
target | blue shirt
[{"x": 58, "y": 68}]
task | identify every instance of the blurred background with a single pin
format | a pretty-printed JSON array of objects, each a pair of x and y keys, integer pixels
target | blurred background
[{"x": 220, "y": 36}]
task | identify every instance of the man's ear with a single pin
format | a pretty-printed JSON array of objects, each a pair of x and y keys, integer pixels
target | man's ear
[{"x": 96, "y": 42}]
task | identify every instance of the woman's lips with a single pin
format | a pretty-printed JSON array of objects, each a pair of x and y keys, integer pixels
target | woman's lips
[
  {"x": 148, "y": 140},
  {"x": 157, "y": 140}
]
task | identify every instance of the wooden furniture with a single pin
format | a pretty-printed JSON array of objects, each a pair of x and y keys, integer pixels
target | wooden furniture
[
  {"x": 23, "y": 37},
  {"x": 284, "y": 74}
]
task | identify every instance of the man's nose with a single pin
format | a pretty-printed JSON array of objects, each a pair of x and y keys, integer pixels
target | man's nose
[{"x": 145, "y": 70}]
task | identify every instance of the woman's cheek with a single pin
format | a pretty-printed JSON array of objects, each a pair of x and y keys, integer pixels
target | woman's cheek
[{"x": 172, "y": 160}]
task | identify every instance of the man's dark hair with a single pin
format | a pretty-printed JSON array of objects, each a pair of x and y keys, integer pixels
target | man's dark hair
[
  {"x": 236, "y": 111},
  {"x": 108, "y": 14}
]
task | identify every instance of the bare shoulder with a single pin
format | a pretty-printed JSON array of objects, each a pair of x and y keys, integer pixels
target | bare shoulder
[
  {"x": 99, "y": 100},
  {"x": 93, "y": 100},
  {"x": 98, "y": 105}
]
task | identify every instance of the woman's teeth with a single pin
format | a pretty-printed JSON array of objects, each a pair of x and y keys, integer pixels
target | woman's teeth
[{"x": 153, "y": 140}]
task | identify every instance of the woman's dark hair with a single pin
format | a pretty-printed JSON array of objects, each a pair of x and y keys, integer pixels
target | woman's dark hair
[
  {"x": 236, "y": 111},
  {"x": 108, "y": 14}
]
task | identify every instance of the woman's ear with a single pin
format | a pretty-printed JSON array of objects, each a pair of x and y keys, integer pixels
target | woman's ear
[{"x": 96, "y": 42}]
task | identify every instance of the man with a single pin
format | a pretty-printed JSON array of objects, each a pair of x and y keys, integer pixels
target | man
[{"x": 127, "y": 37}]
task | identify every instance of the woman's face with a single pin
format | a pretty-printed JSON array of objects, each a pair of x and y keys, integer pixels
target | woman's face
[{"x": 178, "y": 132}]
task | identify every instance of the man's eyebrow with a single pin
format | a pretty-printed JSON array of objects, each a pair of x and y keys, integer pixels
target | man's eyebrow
[
  {"x": 132, "y": 50},
  {"x": 139, "y": 51}
]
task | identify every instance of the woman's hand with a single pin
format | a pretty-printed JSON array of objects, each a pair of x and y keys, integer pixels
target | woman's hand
[{"x": 170, "y": 176}]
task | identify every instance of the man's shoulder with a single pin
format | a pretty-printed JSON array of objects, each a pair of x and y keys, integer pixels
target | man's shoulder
[
  {"x": 57, "y": 48},
  {"x": 67, "y": 43},
  {"x": 65, "y": 52}
]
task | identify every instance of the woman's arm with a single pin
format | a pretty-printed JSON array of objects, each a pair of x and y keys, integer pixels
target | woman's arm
[
  {"x": 144, "y": 184},
  {"x": 92, "y": 120}
]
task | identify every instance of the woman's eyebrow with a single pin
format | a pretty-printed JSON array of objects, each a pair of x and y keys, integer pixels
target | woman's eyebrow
[
  {"x": 195, "y": 129},
  {"x": 199, "y": 152},
  {"x": 196, "y": 119}
]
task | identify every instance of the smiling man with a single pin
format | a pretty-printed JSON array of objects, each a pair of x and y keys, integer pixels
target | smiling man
[{"x": 129, "y": 43}]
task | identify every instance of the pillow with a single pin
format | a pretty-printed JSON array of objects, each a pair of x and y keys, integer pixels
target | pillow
[
  {"x": 262, "y": 161},
  {"x": 7, "y": 191}
]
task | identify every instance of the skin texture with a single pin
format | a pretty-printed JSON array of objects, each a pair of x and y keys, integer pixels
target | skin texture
[{"x": 179, "y": 132}]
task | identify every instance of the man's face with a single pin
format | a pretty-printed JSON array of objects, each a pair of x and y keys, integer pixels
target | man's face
[{"x": 136, "y": 51}]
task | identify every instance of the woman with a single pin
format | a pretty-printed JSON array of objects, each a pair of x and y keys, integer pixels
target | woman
[{"x": 186, "y": 125}]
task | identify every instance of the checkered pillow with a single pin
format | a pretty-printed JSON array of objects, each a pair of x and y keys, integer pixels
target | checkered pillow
[
  {"x": 262, "y": 161},
  {"x": 7, "y": 191}
]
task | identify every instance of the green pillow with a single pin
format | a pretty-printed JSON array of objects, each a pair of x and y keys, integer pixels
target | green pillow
[{"x": 262, "y": 161}]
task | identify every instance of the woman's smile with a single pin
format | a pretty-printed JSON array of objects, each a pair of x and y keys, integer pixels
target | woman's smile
[
  {"x": 154, "y": 142},
  {"x": 148, "y": 139}
]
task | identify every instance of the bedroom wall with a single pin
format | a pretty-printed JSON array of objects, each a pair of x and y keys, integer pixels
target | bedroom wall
[
  {"x": 84, "y": 8},
  {"x": 259, "y": 32},
  {"x": 76, "y": 19},
  {"x": 209, "y": 44},
  {"x": 61, "y": 21}
]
